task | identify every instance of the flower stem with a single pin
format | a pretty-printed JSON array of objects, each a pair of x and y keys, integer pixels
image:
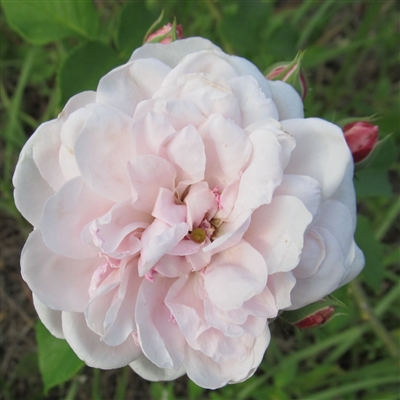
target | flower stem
[{"x": 368, "y": 315}]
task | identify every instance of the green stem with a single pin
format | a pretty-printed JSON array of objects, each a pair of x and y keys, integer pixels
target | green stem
[
  {"x": 122, "y": 382},
  {"x": 368, "y": 315},
  {"x": 96, "y": 389},
  {"x": 73, "y": 390}
]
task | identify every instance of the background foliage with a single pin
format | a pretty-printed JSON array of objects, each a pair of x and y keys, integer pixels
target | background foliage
[{"x": 51, "y": 50}]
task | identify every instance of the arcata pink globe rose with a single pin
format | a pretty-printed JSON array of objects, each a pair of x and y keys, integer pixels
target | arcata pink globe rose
[{"x": 178, "y": 208}]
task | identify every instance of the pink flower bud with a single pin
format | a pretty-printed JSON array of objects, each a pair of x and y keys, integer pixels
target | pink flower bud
[
  {"x": 291, "y": 73},
  {"x": 361, "y": 137},
  {"x": 316, "y": 319},
  {"x": 160, "y": 34}
]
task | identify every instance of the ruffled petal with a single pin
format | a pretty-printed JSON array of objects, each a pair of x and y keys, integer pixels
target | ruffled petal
[
  {"x": 277, "y": 232},
  {"x": 184, "y": 299},
  {"x": 157, "y": 240},
  {"x": 254, "y": 105},
  {"x": 161, "y": 340},
  {"x": 66, "y": 214},
  {"x": 263, "y": 174},
  {"x": 59, "y": 282},
  {"x": 103, "y": 150},
  {"x": 185, "y": 150},
  {"x": 147, "y": 175},
  {"x": 235, "y": 275},
  {"x": 228, "y": 149},
  {"x": 125, "y": 86},
  {"x": 90, "y": 349}
]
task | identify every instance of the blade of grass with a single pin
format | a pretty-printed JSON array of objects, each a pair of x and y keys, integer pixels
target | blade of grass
[{"x": 352, "y": 387}]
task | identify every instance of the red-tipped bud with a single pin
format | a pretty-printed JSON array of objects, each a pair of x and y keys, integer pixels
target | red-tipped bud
[
  {"x": 361, "y": 138},
  {"x": 289, "y": 72},
  {"x": 164, "y": 34},
  {"x": 316, "y": 319}
]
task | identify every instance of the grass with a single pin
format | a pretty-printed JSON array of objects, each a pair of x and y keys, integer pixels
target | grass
[{"x": 351, "y": 64}]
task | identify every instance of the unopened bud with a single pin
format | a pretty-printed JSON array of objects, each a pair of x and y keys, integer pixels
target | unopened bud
[
  {"x": 165, "y": 34},
  {"x": 361, "y": 138},
  {"x": 316, "y": 319},
  {"x": 289, "y": 72}
]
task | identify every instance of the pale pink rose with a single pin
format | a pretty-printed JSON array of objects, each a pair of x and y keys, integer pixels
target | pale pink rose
[{"x": 178, "y": 208}]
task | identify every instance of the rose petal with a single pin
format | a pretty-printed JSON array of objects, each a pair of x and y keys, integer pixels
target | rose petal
[
  {"x": 157, "y": 240},
  {"x": 103, "y": 150},
  {"x": 51, "y": 318},
  {"x": 149, "y": 371},
  {"x": 65, "y": 215},
  {"x": 125, "y": 86},
  {"x": 147, "y": 175},
  {"x": 31, "y": 190},
  {"x": 321, "y": 152},
  {"x": 89, "y": 348},
  {"x": 160, "y": 337},
  {"x": 235, "y": 275},
  {"x": 277, "y": 232},
  {"x": 287, "y": 100},
  {"x": 59, "y": 282}
]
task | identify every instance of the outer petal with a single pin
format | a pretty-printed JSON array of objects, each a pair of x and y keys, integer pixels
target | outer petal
[
  {"x": 326, "y": 279},
  {"x": 127, "y": 85},
  {"x": 287, "y": 100},
  {"x": 321, "y": 152},
  {"x": 45, "y": 148},
  {"x": 51, "y": 318},
  {"x": 65, "y": 215},
  {"x": 31, "y": 190},
  {"x": 172, "y": 54},
  {"x": 59, "y": 282},
  {"x": 89, "y": 348},
  {"x": 235, "y": 275},
  {"x": 211, "y": 375},
  {"x": 160, "y": 337},
  {"x": 149, "y": 371}
]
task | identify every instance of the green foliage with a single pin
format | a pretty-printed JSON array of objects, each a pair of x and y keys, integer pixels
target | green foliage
[
  {"x": 83, "y": 68},
  {"x": 57, "y": 362},
  {"x": 43, "y": 22},
  {"x": 55, "y": 49}
]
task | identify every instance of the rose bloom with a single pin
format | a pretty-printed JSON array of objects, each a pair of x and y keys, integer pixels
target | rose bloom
[{"x": 178, "y": 208}]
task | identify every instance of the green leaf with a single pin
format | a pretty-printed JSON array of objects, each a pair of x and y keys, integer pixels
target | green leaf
[
  {"x": 57, "y": 362},
  {"x": 374, "y": 272},
  {"x": 376, "y": 154},
  {"x": 84, "y": 67},
  {"x": 245, "y": 25},
  {"x": 134, "y": 22},
  {"x": 41, "y": 22},
  {"x": 372, "y": 182}
]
